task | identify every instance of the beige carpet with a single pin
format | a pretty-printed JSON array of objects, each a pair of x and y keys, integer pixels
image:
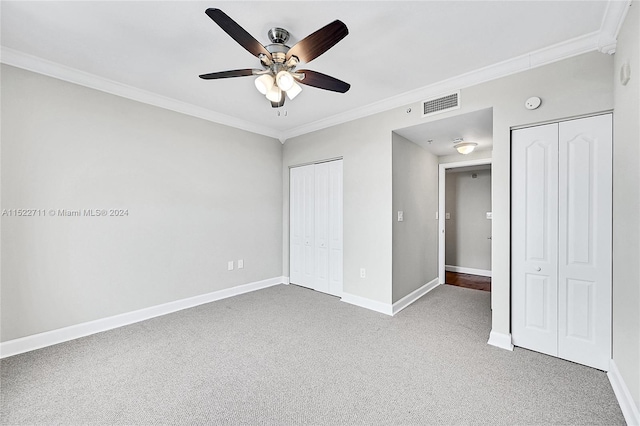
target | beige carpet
[{"x": 287, "y": 355}]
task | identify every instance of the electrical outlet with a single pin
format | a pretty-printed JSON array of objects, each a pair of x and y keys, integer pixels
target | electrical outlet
[
  {"x": 400, "y": 215},
  {"x": 363, "y": 273},
  {"x": 230, "y": 265},
  {"x": 447, "y": 215},
  {"x": 240, "y": 263}
]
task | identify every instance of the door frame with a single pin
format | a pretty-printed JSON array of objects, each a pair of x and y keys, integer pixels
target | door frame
[{"x": 442, "y": 173}]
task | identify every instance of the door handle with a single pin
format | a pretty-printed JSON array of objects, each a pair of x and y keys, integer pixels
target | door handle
[{"x": 538, "y": 269}]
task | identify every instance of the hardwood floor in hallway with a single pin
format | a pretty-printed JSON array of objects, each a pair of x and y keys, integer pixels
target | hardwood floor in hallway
[{"x": 475, "y": 282}]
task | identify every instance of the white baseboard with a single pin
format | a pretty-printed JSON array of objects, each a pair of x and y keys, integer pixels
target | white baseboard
[
  {"x": 463, "y": 270},
  {"x": 414, "y": 295},
  {"x": 630, "y": 410},
  {"x": 363, "y": 302},
  {"x": 286, "y": 280},
  {"x": 500, "y": 340},
  {"x": 53, "y": 337}
]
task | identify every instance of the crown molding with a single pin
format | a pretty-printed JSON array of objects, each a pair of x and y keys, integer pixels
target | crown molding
[
  {"x": 611, "y": 23},
  {"x": 52, "y": 69},
  {"x": 603, "y": 40},
  {"x": 573, "y": 47}
]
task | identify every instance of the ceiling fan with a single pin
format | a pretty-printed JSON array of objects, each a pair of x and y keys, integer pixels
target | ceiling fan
[{"x": 278, "y": 75}]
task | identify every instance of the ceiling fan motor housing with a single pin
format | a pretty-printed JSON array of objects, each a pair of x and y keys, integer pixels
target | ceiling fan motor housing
[{"x": 278, "y": 35}]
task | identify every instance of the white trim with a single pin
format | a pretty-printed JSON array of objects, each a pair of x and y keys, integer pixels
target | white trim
[
  {"x": 414, "y": 295},
  {"x": 576, "y": 46},
  {"x": 603, "y": 40},
  {"x": 611, "y": 23},
  {"x": 363, "y": 302},
  {"x": 286, "y": 280},
  {"x": 463, "y": 270},
  {"x": 500, "y": 340},
  {"x": 62, "y": 72},
  {"x": 53, "y": 337},
  {"x": 630, "y": 410},
  {"x": 442, "y": 174}
]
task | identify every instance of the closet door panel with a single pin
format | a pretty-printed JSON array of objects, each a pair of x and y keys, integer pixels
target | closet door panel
[
  {"x": 296, "y": 229},
  {"x": 335, "y": 228},
  {"x": 585, "y": 241},
  {"x": 316, "y": 226},
  {"x": 322, "y": 227},
  {"x": 534, "y": 238},
  {"x": 308, "y": 227}
]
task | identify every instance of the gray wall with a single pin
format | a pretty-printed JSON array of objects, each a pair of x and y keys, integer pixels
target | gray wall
[
  {"x": 468, "y": 200},
  {"x": 365, "y": 146},
  {"x": 626, "y": 207},
  {"x": 415, "y": 239},
  {"x": 198, "y": 194},
  {"x": 572, "y": 87}
]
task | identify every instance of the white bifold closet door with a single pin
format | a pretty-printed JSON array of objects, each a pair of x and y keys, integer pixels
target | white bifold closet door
[
  {"x": 561, "y": 239},
  {"x": 316, "y": 226}
]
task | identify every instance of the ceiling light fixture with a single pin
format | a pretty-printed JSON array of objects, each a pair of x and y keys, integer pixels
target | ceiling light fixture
[
  {"x": 284, "y": 80},
  {"x": 279, "y": 76},
  {"x": 464, "y": 147},
  {"x": 294, "y": 90},
  {"x": 279, "y": 61},
  {"x": 274, "y": 94},
  {"x": 264, "y": 83}
]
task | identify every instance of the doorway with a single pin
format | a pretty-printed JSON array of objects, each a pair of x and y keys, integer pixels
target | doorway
[
  {"x": 468, "y": 227},
  {"x": 464, "y": 221}
]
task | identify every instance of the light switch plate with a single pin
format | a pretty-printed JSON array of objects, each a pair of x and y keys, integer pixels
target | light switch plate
[
  {"x": 230, "y": 265},
  {"x": 400, "y": 215},
  {"x": 489, "y": 215}
]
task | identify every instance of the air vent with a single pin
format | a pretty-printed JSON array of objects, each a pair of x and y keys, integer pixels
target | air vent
[{"x": 441, "y": 104}]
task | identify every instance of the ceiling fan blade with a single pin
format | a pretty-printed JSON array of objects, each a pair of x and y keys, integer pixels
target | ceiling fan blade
[
  {"x": 323, "y": 81},
  {"x": 319, "y": 42},
  {"x": 237, "y": 33},
  {"x": 228, "y": 74}
]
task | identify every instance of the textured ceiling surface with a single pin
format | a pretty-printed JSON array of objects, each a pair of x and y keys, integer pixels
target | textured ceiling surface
[{"x": 392, "y": 47}]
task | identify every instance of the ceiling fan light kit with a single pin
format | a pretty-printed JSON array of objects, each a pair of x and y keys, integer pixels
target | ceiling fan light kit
[
  {"x": 279, "y": 61},
  {"x": 264, "y": 83},
  {"x": 294, "y": 91}
]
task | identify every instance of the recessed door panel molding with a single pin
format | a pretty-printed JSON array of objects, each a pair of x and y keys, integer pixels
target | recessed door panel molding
[
  {"x": 316, "y": 226},
  {"x": 580, "y": 175},
  {"x": 561, "y": 230},
  {"x": 579, "y": 310},
  {"x": 540, "y": 181},
  {"x": 537, "y": 296}
]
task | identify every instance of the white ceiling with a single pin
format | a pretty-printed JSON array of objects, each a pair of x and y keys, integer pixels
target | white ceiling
[{"x": 395, "y": 52}]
